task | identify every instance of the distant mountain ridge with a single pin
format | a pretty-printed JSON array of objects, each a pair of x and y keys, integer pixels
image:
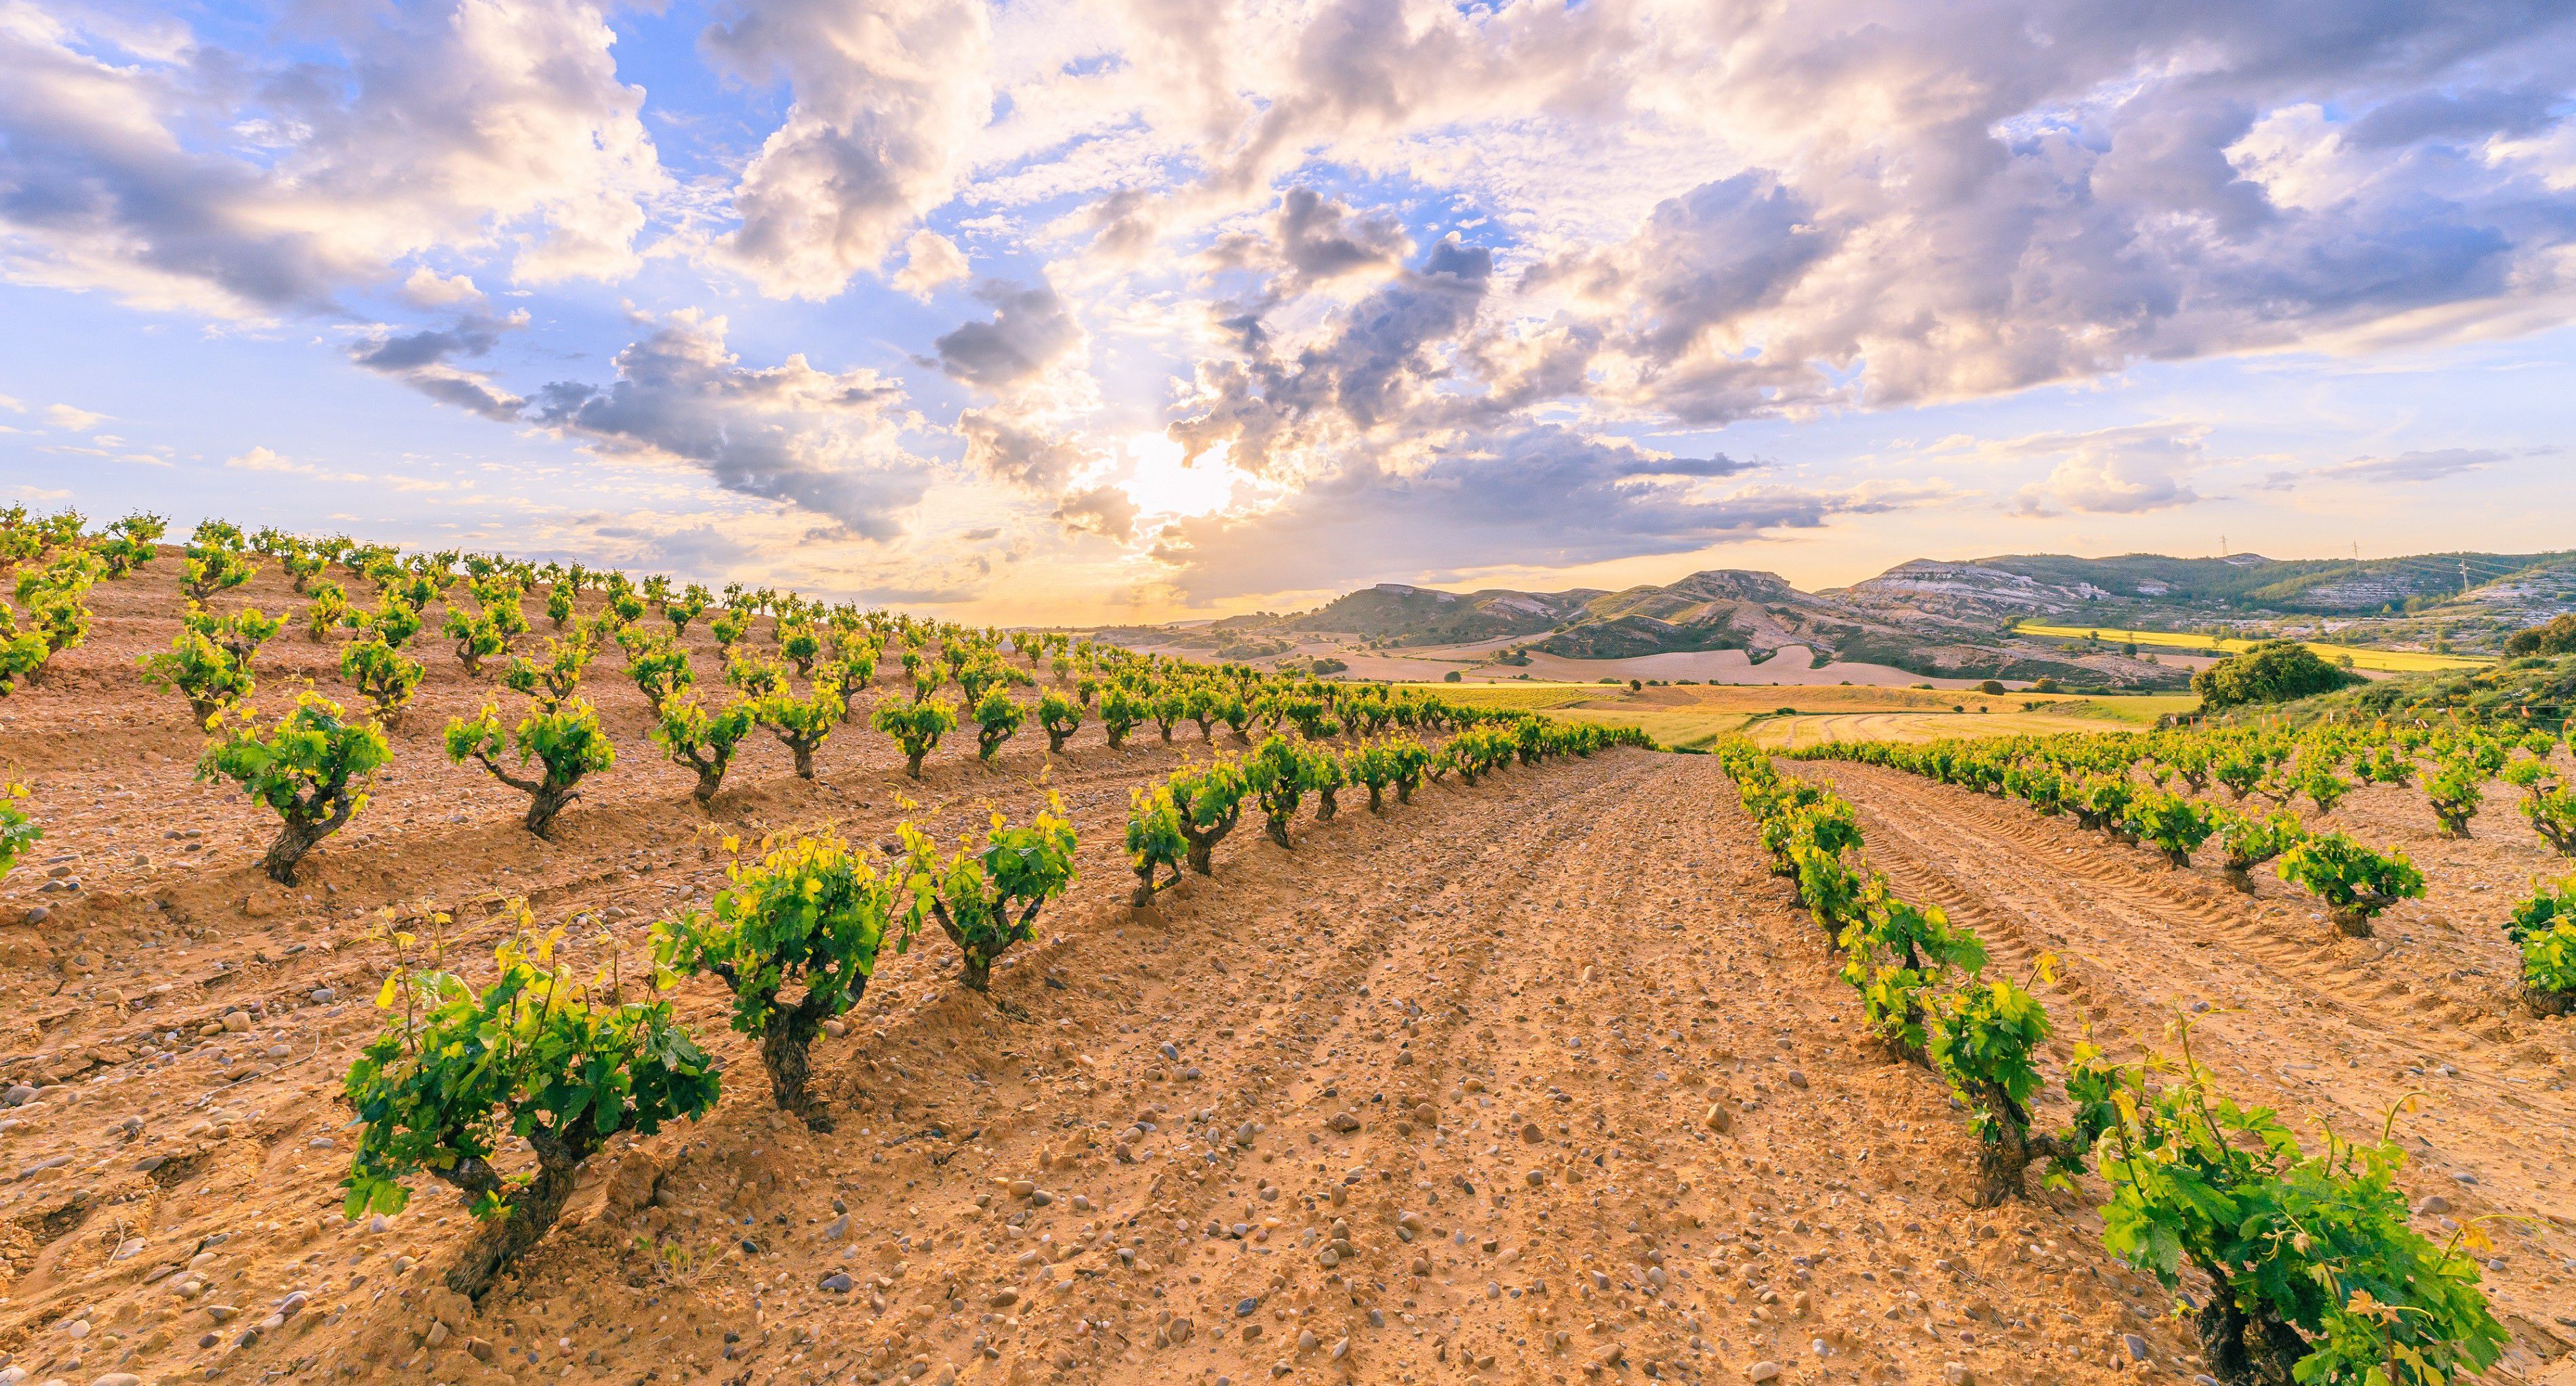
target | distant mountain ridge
[{"x": 1954, "y": 619}]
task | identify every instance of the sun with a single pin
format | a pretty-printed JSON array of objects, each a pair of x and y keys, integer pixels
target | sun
[{"x": 1161, "y": 484}]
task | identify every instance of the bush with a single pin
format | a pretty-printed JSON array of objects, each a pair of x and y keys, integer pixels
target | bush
[
  {"x": 660, "y": 669},
  {"x": 987, "y": 901},
  {"x": 456, "y": 1071},
  {"x": 309, "y": 768},
  {"x": 812, "y": 914},
  {"x": 702, "y": 741},
  {"x": 328, "y": 609},
  {"x": 1275, "y": 775},
  {"x": 1983, "y": 1040},
  {"x": 802, "y": 725},
  {"x": 1155, "y": 844},
  {"x": 18, "y": 832},
  {"x": 2276, "y": 671},
  {"x": 2314, "y": 1274},
  {"x": 1060, "y": 717},
  {"x": 564, "y": 740},
  {"x": 1991, "y": 687},
  {"x": 2170, "y": 823},
  {"x": 1120, "y": 712},
  {"x": 552, "y": 680},
  {"x": 1209, "y": 800},
  {"x": 1453, "y": 676},
  {"x": 916, "y": 727},
  {"x": 2455, "y": 790},
  {"x": 382, "y": 675},
  {"x": 2558, "y": 637},
  {"x": 477, "y": 638},
  {"x": 997, "y": 717},
  {"x": 2247, "y": 842},
  {"x": 2355, "y": 882},
  {"x": 201, "y": 671}
]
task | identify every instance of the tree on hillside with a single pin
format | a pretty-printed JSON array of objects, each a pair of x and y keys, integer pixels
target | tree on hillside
[
  {"x": 2556, "y": 638},
  {"x": 2275, "y": 671}
]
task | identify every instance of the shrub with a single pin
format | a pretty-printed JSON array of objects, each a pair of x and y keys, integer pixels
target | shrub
[
  {"x": 309, "y": 767},
  {"x": 660, "y": 669},
  {"x": 2456, "y": 790},
  {"x": 564, "y": 740},
  {"x": 688, "y": 606},
  {"x": 328, "y": 608},
  {"x": 2552, "y": 812},
  {"x": 2247, "y": 842},
  {"x": 1983, "y": 1040},
  {"x": 916, "y": 727},
  {"x": 802, "y": 647},
  {"x": 728, "y": 627},
  {"x": 2172, "y": 824},
  {"x": 383, "y": 676},
  {"x": 1325, "y": 777},
  {"x": 987, "y": 901},
  {"x": 2276, "y": 671},
  {"x": 2314, "y": 1274},
  {"x": 2323, "y": 786},
  {"x": 1120, "y": 712},
  {"x": 1991, "y": 687},
  {"x": 456, "y": 1071},
  {"x": 1155, "y": 844},
  {"x": 552, "y": 681},
  {"x": 756, "y": 677},
  {"x": 1209, "y": 800},
  {"x": 214, "y": 567},
  {"x": 2558, "y": 637},
  {"x": 811, "y": 913},
  {"x": 702, "y": 741},
  {"x": 394, "y": 621},
  {"x": 1060, "y": 717},
  {"x": 1893, "y": 953},
  {"x": 802, "y": 725},
  {"x": 2355, "y": 882},
  {"x": 997, "y": 716},
  {"x": 561, "y": 602},
  {"x": 1275, "y": 774},
  {"x": 201, "y": 671},
  {"x": 477, "y": 638},
  {"x": 18, "y": 831}
]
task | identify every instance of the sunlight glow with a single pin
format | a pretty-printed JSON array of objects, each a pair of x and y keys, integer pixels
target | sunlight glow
[{"x": 1160, "y": 484}]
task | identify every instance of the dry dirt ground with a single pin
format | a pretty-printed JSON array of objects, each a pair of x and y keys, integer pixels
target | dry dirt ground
[{"x": 1427, "y": 1099}]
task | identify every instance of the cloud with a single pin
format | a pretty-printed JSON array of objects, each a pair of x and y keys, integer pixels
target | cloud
[
  {"x": 1031, "y": 329},
  {"x": 1541, "y": 496},
  {"x": 828, "y": 442},
  {"x": 929, "y": 260},
  {"x": 2118, "y": 471},
  {"x": 1107, "y": 511},
  {"x": 1377, "y": 366},
  {"x": 425, "y": 360},
  {"x": 1310, "y": 240},
  {"x": 71, "y": 420},
  {"x": 1022, "y": 452},
  {"x": 888, "y": 94},
  {"x": 489, "y": 125},
  {"x": 2416, "y": 466}
]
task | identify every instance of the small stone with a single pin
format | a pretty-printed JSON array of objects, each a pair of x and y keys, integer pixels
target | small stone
[
  {"x": 480, "y": 1349},
  {"x": 836, "y": 1027},
  {"x": 838, "y": 1282},
  {"x": 1247, "y": 1307},
  {"x": 1797, "y": 1079},
  {"x": 1170, "y": 1051},
  {"x": 1762, "y": 1371},
  {"x": 19, "y": 1095},
  {"x": 1041, "y": 1198},
  {"x": 2136, "y": 1345},
  {"x": 1343, "y": 1122},
  {"x": 1081, "y": 1203},
  {"x": 839, "y": 1228},
  {"x": 1717, "y": 1119},
  {"x": 221, "y": 1313},
  {"x": 2464, "y": 1177},
  {"x": 38, "y": 914},
  {"x": 1022, "y": 1188},
  {"x": 1536, "y": 1177},
  {"x": 1003, "y": 1298},
  {"x": 322, "y": 996},
  {"x": 436, "y": 1335},
  {"x": 117, "y": 1379},
  {"x": 1531, "y": 1133},
  {"x": 237, "y": 1021},
  {"x": 1957, "y": 1374}
]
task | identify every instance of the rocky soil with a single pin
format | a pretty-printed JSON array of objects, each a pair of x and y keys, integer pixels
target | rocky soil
[{"x": 1542, "y": 1081}]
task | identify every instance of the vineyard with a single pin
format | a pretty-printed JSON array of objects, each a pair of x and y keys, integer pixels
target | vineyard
[{"x": 454, "y": 968}]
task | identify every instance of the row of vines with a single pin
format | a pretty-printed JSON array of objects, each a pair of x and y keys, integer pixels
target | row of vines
[
  {"x": 2314, "y": 1274},
  {"x": 565, "y": 1063},
  {"x": 2161, "y": 790}
]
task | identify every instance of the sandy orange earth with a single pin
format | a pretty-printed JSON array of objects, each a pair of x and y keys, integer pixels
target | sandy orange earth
[{"x": 1426, "y": 1099}]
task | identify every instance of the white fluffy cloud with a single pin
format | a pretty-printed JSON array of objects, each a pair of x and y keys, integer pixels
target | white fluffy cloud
[
  {"x": 887, "y": 95},
  {"x": 498, "y": 126},
  {"x": 829, "y": 442}
]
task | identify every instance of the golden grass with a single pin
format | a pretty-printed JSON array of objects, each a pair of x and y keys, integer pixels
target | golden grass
[{"x": 2383, "y": 661}]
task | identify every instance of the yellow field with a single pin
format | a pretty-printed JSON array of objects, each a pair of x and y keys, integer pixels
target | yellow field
[
  {"x": 2384, "y": 661},
  {"x": 1696, "y": 715}
]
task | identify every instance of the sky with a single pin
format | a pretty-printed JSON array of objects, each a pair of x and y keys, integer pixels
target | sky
[{"x": 1075, "y": 310}]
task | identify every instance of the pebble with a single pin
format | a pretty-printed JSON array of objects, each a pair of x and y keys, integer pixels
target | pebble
[
  {"x": 38, "y": 914},
  {"x": 1247, "y": 1307},
  {"x": 838, "y": 1282},
  {"x": 1957, "y": 1374},
  {"x": 839, "y": 1228},
  {"x": 1762, "y": 1371},
  {"x": 2433, "y": 1203},
  {"x": 1536, "y": 1177},
  {"x": 2136, "y": 1345},
  {"x": 322, "y": 996},
  {"x": 19, "y": 1095},
  {"x": 1797, "y": 1079},
  {"x": 1170, "y": 1051}
]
